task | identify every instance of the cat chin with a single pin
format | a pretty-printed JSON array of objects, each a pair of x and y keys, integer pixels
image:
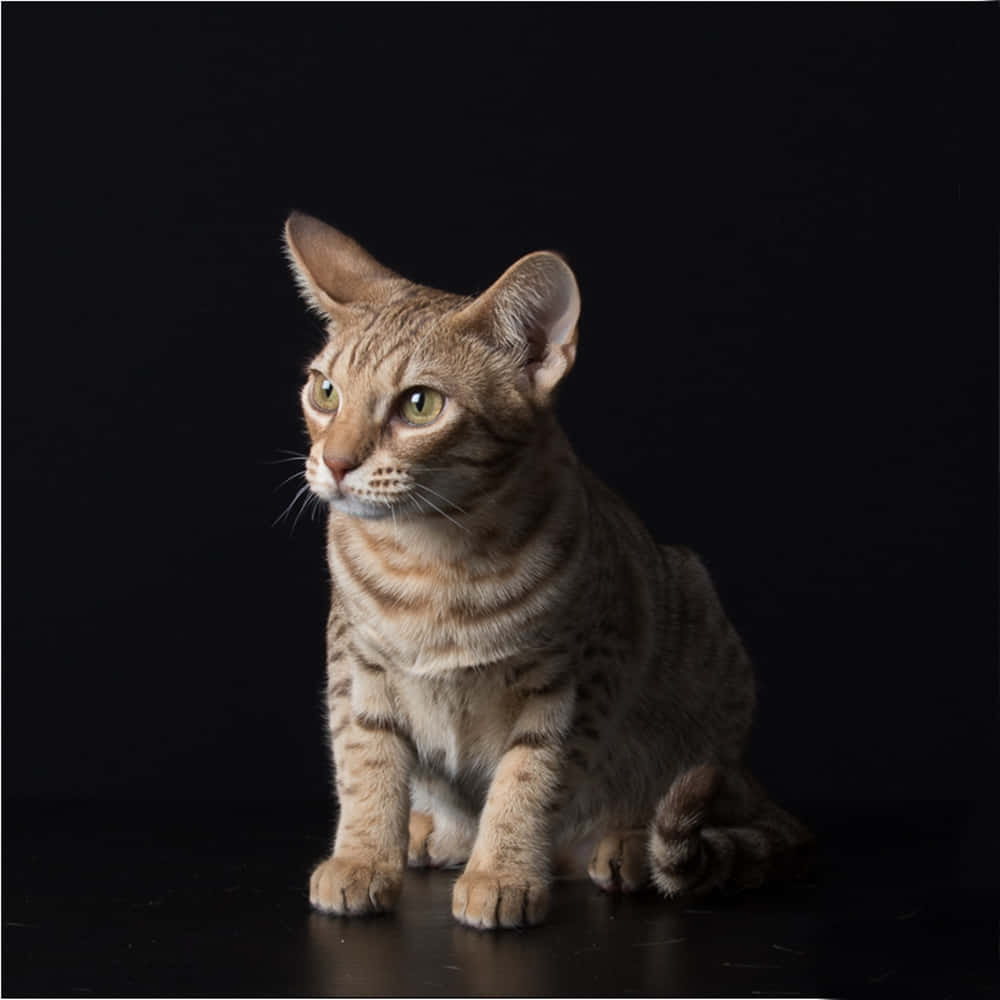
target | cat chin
[{"x": 356, "y": 507}]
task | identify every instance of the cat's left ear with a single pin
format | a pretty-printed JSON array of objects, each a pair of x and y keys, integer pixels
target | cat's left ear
[{"x": 532, "y": 310}]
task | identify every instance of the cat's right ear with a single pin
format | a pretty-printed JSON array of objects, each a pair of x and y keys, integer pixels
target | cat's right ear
[{"x": 330, "y": 269}]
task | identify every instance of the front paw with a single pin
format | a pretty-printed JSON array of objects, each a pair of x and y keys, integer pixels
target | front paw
[
  {"x": 486, "y": 900},
  {"x": 350, "y": 887}
]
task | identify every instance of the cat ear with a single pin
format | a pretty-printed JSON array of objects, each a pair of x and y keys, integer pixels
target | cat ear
[
  {"x": 533, "y": 310},
  {"x": 330, "y": 269}
]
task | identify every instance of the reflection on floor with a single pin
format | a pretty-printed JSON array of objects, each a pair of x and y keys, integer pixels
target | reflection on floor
[{"x": 114, "y": 901}]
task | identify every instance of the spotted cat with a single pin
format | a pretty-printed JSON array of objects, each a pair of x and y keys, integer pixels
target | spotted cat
[{"x": 520, "y": 681}]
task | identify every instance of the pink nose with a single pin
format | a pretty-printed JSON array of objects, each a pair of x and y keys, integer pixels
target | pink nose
[{"x": 339, "y": 465}]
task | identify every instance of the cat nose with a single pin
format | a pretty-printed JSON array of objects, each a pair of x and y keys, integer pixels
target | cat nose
[{"x": 339, "y": 465}]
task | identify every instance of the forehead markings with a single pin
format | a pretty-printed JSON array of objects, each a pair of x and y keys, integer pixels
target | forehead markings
[
  {"x": 330, "y": 362},
  {"x": 399, "y": 332},
  {"x": 398, "y": 323}
]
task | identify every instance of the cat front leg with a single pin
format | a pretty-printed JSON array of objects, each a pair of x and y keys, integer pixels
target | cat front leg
[
  {"x": 506, "y": 881},
  {"x": 373, "y": 757}
]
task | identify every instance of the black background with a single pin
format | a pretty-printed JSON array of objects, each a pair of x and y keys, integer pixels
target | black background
[{"x": 783, "y": 225}]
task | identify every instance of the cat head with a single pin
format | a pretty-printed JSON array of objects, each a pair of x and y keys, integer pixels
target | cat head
[{"x": 421, "y": 400}]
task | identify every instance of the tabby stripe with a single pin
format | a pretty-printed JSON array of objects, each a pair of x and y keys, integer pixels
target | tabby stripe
[
  {"x": 436, "y": 761},
  {"x": 386, "y": 599},
  {"x": 495, "y": 483},
  {"x": 410, "y": 321},
  {"x": 400, "y": 368},
  {"x": 516, "y": 601},
  {"x": 378, "y": 724},
  {"x": 527, "y": 532},
  {"x": 513, "y": 443},
  {"x": 521, "y": 669},
  {"x": 341, "y": 688},
  {"x": 373, "y": 318},
  {"x": 375, "y": 365},
  {"x": 528, "y": 739},
  {"x": 463, "y": 614},
  {"x": 372, "y": 668},
  {"x": 560, "y": 682},
  {"x": 499, "y": 458},
  {"x": 356, "y": 346}
]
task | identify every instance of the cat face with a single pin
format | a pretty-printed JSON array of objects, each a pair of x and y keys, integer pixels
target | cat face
[{"x": 422, "y": 402}]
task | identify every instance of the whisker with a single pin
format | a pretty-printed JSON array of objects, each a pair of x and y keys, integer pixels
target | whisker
[
  {"x": 317, "y": 507},
  {"x": 295, "y": 457},
  {"x": 306, "y": 504},
  {"x": 285, "y": 512},
  {"x": 431, "y": 503},
  {"x": 422, "y": 486},
  {"x": 288, "y": 479}
]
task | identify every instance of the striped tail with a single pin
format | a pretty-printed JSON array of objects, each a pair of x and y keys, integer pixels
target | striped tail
[{"x": 716, "y": 829}]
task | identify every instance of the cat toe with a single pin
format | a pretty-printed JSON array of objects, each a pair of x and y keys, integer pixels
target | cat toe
[
  {"x": 349, "y": 888},
  {"x": 619, "y": 863},
  {"x": 488, "y": 902},
  {"x": 421, "y": 828}
]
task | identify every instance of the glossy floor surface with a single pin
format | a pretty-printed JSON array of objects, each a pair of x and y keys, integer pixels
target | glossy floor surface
[{"x": 116, "y": 901}]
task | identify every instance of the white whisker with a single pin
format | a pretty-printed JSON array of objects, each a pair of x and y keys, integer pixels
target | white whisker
[
  {"x": 288, "y": 479},
  {"x": 285, "y": 512},
  {"x": 422, "y": 486},
  {"x": 431, "y": 503},
  {"x": 305, "y": 506}
]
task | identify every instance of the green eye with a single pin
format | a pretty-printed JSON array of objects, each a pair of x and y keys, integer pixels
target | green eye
[
  {"x": 324, "y": 393},
  {"x": 421, "y": 405}
]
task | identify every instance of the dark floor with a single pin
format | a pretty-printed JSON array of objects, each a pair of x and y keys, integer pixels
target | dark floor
[{"x": 116, "y": 901}]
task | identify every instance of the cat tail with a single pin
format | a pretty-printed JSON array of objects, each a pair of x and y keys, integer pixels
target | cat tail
[{"x": 716, "y": 829}]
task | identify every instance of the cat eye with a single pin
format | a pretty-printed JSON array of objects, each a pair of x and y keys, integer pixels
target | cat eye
[
  {"x": 323, "y": 393},
  {"x": 420, "y": 405}
]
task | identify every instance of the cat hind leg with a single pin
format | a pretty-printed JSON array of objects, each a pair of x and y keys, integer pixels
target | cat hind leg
[{"x": 716, "y": 829}]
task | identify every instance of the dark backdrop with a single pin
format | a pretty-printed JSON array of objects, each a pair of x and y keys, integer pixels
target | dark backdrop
[{"x": 783, "y": 225}]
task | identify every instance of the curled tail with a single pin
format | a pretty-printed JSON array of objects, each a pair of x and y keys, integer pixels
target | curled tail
[{"x": 715, "y": 828}]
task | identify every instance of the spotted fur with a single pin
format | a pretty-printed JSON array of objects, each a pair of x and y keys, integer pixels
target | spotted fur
[{"x": 520, "y": 680}]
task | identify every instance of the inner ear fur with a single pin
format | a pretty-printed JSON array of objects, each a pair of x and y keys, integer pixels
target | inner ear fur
[
  {"x": 532, "y": 311},
  {"x": 330, "y": 269}
]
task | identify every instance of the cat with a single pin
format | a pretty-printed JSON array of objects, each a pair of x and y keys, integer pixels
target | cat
[{"x": 520, "y": 681}]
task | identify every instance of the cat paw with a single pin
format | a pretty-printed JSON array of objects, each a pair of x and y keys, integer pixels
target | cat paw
[
  {"x": 348, "y": 887},
  {"x": 418, "y": 854},
  {"x": 619, "y": 864},
  {"x": 486, "y": 901},
  {"x": 434, "y": 845}
]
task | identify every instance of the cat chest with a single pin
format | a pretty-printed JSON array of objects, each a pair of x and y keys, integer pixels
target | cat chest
[
  {"x": 460, "y": 726},
  {"x": 428, "y": 620}
]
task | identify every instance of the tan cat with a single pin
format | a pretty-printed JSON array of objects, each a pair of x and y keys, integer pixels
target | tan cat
[{"x": 520, "y": 680}]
